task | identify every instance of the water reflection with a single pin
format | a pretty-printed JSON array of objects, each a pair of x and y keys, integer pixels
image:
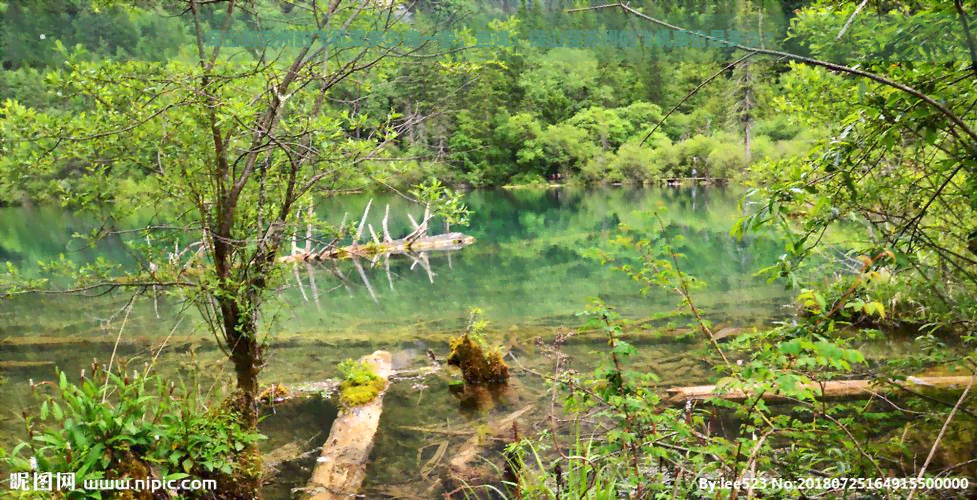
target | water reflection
[{"x": 531, "y": 261}]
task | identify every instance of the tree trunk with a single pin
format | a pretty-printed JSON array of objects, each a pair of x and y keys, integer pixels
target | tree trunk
[
  {"x": 240, "y": 332},
  {"x": 747, "y": 118},
  {"x": 746, "y": 143}
]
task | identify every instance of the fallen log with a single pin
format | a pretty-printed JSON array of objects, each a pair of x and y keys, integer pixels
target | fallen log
[
  {"x": 341, "y": 468},
  {"x": 288, "y": 452},
  {"x": 441, "y": 242},
  {"x": 40, "y": 341},
  {"x": 328, "y": 389},
  {"x": 417, "y": 241},
  {"x": 825, "y": 390}
]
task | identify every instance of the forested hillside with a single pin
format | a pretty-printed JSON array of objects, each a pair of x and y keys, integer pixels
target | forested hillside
[{"x": 469, "y": 115}]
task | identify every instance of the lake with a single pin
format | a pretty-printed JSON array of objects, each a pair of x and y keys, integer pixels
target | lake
[{"x": 531, "y": 270}]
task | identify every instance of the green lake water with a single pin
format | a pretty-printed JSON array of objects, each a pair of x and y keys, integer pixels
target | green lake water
[{"x": 530, "y": 271}]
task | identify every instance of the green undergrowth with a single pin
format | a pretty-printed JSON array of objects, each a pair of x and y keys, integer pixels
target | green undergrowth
[
  {"x": 645, "y": 444},
  {"x": 130, "y": 425}
]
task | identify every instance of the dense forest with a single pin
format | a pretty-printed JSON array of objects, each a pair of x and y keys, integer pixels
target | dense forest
[
  {"x": 470, "y": 115},
  {"x": 205, "y": 153}
]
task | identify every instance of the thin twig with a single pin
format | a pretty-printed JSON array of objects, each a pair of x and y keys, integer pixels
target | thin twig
[
  {"x": 116, "y": 346},
  {"x": 939, "y": 437},
  {"x": 851, "y": 19}
]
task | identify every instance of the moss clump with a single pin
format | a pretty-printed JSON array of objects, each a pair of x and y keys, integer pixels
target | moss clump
[
  {"x": 480, "y": 366},
  {"x": 130, "y": 467},
  {"x": 360, "y": 384},
  {"x": 272, "y": 394}
]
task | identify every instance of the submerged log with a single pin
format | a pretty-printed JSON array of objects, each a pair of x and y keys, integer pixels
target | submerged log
[
  {"x": 474, "y": 446},
  {"x": 329, "y": 388},
  {"x": 341, "y": 468},
  {"x": 825, "y": 390}
]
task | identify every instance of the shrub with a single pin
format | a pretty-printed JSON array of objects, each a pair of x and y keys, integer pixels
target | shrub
[
  {"x": 696, "y": 149},
  {"x": 726, "y": 159},
  {"x": 600, "y": 170},
  {"x": 605, "y": 127},
  {"x": 527, "y": 179},
  {"x": 565, "y": 147},
  {"x": 635, "y": 162}
]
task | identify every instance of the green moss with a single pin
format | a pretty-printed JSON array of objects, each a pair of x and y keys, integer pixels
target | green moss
[
  {"x": 480, "y": 365},
  {"x": 371, "y": 248},
  {"x": 360, "y": 384},
  {"x": 128, "y": 466}
]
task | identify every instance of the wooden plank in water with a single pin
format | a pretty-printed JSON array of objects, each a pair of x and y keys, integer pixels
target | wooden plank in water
[
  {"x": 341, "y": 468},
  {"x": 825, "y": 390}
]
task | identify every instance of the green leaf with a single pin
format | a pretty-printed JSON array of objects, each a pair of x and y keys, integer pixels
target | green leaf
[
  {"x": 624, "y": 349},
  {"x": 49, "y": 439},
  {"x": 875, "y": 308},
  {"x": 791, "y": 348}
]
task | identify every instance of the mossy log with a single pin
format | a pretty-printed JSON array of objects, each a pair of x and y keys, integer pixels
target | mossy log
[
  {"x": 330, "y": 388},
  {"x": 834, "y": 389},
  {"x": 341, "y": 468}
]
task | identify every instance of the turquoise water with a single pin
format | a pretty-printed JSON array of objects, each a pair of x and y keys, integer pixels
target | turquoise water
[
  {"x": 531, "y": 260},
  {"x": 531, "y": 270}
]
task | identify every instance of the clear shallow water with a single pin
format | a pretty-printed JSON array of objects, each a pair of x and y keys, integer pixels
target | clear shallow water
[{"x": 530, "y": 271}]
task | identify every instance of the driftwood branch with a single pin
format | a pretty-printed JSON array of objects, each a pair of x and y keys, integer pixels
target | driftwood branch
[
  {"x": 366, "y": 281},
  {"x": 366, "y": 211},
  {"x": 417, "y": 241},
  {"x": 386, "y": 230},
  {"x": 939, "y": 438}
]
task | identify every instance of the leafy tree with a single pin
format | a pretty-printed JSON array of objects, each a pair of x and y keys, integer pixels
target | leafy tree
[
  {"x": 236, "y": 141},
  {"x": 604, "y": 126},
  {"x": 560, "y": 83},
  {"x": 564, "y": 147}
]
